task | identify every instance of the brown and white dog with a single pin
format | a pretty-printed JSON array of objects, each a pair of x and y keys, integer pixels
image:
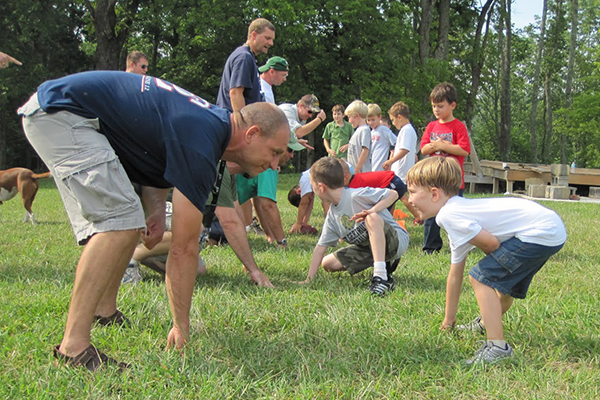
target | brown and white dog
[{"x": 24, "y": 182}]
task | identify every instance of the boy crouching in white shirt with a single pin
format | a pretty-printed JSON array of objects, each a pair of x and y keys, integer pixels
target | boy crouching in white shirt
[
  {"x": 359, "y": 217},
  {"x": 518, "y": 236}
]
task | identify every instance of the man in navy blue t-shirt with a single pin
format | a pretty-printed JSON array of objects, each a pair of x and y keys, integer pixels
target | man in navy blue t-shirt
[
  {"x": 99, "y": 131},
  {"x": 240, "y": 83}
]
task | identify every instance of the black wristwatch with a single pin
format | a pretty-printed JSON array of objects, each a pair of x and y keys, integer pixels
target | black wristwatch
[{"x": 283, "y": 242}]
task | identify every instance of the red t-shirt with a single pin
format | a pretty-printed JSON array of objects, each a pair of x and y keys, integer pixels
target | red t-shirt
[
  {"x": 454, "y": 132},
  {"x": 376, "y": 179}
]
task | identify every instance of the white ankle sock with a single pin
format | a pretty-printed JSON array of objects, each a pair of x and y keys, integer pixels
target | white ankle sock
[
  {"x": 499, "y": 343},
  {"x": 380, "y": 270}
]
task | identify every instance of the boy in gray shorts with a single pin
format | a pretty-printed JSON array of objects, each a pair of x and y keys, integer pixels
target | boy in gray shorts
[{"x": 359, "y": 217}]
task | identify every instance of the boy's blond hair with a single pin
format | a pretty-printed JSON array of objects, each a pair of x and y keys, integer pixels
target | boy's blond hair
[
  {"x": 440, "y": 172},
  {"x": 444, "y": 91},
  {"x": 328, "y": 171},
  {"x": 338, "y": 107},
  {"x": 400, "y": 108},
  {"x": 373, "y": 110},
  {"x": 357, "y": 107}
]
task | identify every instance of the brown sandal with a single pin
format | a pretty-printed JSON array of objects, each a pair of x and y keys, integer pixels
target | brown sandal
[
  {"x": 116, "y": 319},
  {"x": 90, "y": 358}
]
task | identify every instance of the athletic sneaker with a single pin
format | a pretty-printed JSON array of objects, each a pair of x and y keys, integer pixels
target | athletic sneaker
[
  {"x": 380, "y": 287},
  {"x": 473, "y": 326},
  {"x": 132, "y": 274},
  {"x": 254, "y": 227},
  {"x": 489, "y": 353}
]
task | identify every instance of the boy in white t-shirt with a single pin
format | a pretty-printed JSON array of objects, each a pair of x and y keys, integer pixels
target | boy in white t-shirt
[
  {"x": 518, "y": 236},
  {"x": 359, "y": 147},
  {"x": 405, "y": 152},
  {"x": 359, "y": 217},
  {"x": 382, "y": 138}
]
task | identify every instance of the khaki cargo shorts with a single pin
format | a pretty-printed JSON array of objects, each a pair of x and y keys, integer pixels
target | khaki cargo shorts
[{"x": 93, "y": 185}]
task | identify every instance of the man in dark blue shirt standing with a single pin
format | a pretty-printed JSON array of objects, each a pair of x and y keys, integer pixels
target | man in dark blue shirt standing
[
  {"x": 240, "y": 83},
  {"x": 99, "y": 131}
]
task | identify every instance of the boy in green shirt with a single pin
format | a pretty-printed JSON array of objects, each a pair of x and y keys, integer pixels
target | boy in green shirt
[{"x": 337, "y": 134}]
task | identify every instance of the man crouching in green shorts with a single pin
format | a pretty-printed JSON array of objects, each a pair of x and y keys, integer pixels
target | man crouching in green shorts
[{"x": 262, "y": 189}]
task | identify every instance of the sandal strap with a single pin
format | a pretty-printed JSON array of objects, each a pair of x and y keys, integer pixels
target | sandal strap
[
  {"x": 116, "y": 319},
  {"x": 90, "y": 358}
]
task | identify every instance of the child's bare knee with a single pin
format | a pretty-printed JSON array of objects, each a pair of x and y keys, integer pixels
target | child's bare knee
[
  {"x": 327, "y": 267},
  {"x": 331, "y": 264}
]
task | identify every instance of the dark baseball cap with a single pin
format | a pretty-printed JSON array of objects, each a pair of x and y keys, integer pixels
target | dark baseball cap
[{"x": 276, "y": 63}]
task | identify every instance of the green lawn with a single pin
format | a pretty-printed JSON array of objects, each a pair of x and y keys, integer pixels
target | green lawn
[{"x": 328, "y": 340}]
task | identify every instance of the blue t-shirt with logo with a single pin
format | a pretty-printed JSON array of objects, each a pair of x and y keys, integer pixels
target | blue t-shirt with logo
[
  {"x": 163, "y": 135},
  {"x": 240, "y": 71}
]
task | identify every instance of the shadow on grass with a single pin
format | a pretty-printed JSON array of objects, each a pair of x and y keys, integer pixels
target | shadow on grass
[
  {"x": 18, "y": 272},
  {"x": 339, "y": 354},
  {"x": 49, "y": 223},
  {"x": 580, "y": 348}
]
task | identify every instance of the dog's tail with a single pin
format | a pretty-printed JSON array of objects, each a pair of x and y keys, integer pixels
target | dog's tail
[{"x": 42, "y": 176}]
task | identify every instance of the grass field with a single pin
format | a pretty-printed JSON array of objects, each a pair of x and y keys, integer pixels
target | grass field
[{"x": 327, "y": 340}]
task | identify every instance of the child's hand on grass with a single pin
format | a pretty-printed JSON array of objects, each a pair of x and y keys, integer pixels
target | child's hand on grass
[
  {"x": 304, "y": 282},
  {"x": 296, "y": 228},
  {"x": 447, "y": 325}
]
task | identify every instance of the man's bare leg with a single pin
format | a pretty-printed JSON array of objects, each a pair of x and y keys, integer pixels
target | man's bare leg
[
  {"x": 246, "y": 212},
  {"x": 108, "y": 303},
  {"x": 270, "y": 219},
  {"x": 103, "y": 261}
]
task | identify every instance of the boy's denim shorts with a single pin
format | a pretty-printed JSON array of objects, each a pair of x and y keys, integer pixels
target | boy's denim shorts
[{"x": 511, "y": 267}]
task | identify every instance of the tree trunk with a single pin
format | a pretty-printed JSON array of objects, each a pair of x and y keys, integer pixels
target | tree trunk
[
  {"x": 536, "y": 86},
  {"x": 505, "y": 112},
  {"x": 441, "y": 50},
  {"x": 553, "y": 68},
  {"x": 548, "y": 135},
  {"x": 478, "y": 59},
  {"x": 424, "y": 27},
  {"x": 110, "y": 42},
  {"x": 569, "y": 83}
]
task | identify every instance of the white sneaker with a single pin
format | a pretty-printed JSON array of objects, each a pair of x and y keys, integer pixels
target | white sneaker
[
  {"x": 133, "y": 274},
  {"x": 489, "y": 353},
  {"x": 473, "y": 326}
]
